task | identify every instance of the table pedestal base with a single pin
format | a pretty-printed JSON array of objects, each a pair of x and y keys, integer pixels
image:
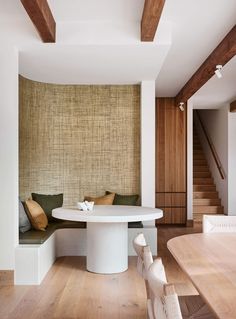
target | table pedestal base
[{"x": 107, "y": 247}]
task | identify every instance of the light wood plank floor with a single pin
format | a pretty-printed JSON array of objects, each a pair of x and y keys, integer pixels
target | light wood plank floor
[{"x": 70, "y": 292}]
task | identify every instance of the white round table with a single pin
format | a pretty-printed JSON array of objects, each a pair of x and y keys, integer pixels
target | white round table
[{"x": 107, "y": 233}]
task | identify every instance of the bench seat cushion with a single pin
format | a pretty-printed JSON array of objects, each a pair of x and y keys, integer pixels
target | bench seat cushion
[
  {"x": 70, "y": 224},
  {"x": 39, "y": 237},
  {"x": 135, "y": 225}
]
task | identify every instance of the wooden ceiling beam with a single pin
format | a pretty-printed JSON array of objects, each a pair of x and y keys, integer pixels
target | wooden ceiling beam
[
  {"x": 224, "y": 52},
  {"x": 233, "y": 106},
  {"x": 150, "y": 19},
  {"x": 42, "y": 18}
]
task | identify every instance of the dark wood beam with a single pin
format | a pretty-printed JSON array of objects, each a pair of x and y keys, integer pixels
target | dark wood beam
[
  {"x": 42, "y": 18},
  {"x": 224, "y": 52},
  {"x": 233, "y": 106},
  {"x": 150, "y": 19}
]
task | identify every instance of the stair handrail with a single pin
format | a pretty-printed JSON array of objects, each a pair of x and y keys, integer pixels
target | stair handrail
[{"x": 212, "y": 147}]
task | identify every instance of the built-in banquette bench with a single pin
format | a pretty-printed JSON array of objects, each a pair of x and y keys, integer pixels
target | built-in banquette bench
[{"x": 38, "y": 250}]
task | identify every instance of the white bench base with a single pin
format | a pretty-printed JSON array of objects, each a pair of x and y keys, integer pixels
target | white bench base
[{"x": 32, "y": 262}]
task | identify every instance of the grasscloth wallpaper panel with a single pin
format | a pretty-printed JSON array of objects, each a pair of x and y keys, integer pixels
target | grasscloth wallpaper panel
[{"x": 79, "y": 140}]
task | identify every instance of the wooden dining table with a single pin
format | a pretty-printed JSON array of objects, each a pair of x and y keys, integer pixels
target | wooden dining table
[{"x": 209, "y": 260}]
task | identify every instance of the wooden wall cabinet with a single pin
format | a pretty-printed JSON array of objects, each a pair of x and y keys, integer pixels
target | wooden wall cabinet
[{"x": 170, "y": 161}]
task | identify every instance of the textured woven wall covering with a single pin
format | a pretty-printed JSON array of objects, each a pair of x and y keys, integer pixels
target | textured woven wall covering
[{"x": 79, "y": 140}]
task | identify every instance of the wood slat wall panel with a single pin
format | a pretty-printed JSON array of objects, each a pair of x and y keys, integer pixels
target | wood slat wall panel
[
  {"x": 174, "y": 215},
  {"x": 166, "y": 219},
  {"x": 171, "y": 160},
  {"x": 171, "y": 147},
  {"x": 171, "y": 199}
]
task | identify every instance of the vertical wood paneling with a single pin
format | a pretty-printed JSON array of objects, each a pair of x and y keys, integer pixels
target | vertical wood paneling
[{"x": 171, "y": 160}]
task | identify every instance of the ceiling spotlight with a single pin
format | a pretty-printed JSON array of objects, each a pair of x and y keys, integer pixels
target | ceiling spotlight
[
  {"x": 181, "y": 106},
  {"x": 217, "y": 71}
]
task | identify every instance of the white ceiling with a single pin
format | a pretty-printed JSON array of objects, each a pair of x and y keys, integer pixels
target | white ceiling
[
  {"x": 90, "y": 64},
  {"x": 216, "y": 92},
  {"x": 198, "y": 26},
  {"x": 90, "y": 10},
  {"x": 99, "y": 42}
]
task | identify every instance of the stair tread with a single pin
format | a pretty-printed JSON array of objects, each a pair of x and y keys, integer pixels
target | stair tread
[{"x": 206, "y": 201}]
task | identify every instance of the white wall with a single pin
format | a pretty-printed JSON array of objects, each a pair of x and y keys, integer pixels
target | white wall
[
  {"x": 216, "y": 124},
  {"x": 232, "y": 163},
  {"x": 189, "y": 160},
  {"x": 148, "y": 145},
  {"x": 8, "y": 155}
]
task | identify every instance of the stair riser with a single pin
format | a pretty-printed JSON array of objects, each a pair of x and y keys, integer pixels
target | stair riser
[
  {"x": 201, "y": 174},
  {"x": 198, "y": 156},
  {"x": 202, "y": 168},
  {"x": 203, "y": 181},
  {"x": 199, "y": 162},
  {"x": 204, "y": 188},
  {"x": 207, "y": 209},
  {"x": 203, "y": 195}
]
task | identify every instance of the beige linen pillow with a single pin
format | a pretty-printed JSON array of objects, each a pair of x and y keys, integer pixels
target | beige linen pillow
[
  {"x": 103, "y": 200},
  {"x": 36, "y": 215}
]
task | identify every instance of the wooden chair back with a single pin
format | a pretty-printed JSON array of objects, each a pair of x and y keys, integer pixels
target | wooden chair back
[
  {"x": 219, "y": 224},
  {"x": 163, "y": 298}
]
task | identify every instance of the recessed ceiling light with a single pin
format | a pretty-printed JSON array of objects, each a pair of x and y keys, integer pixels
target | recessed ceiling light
[
  {"x": 181, "y": 106},
  {"x": 217, "y": 71}
]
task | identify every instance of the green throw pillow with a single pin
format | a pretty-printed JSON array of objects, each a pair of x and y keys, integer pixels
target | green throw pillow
[
  {"x": 128, "y": 200},
  {"x": 48, "y": 203}
]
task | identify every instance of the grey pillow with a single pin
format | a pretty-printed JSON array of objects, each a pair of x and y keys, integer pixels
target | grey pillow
[{"x": 24, "y": 223}]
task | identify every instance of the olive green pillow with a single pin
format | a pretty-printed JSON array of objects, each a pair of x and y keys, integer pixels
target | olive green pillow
[
  {"x": 128, "y": 200},
  {"x": 48, "y": 203}
]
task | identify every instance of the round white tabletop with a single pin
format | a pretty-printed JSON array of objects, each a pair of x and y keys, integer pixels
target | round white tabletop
[
  {"x": 107, "y": 233},
  {"x": 109, "y": 214}
]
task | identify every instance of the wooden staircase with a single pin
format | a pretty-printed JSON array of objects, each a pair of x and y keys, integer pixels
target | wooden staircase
[{"x": 205, "y": 197}]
